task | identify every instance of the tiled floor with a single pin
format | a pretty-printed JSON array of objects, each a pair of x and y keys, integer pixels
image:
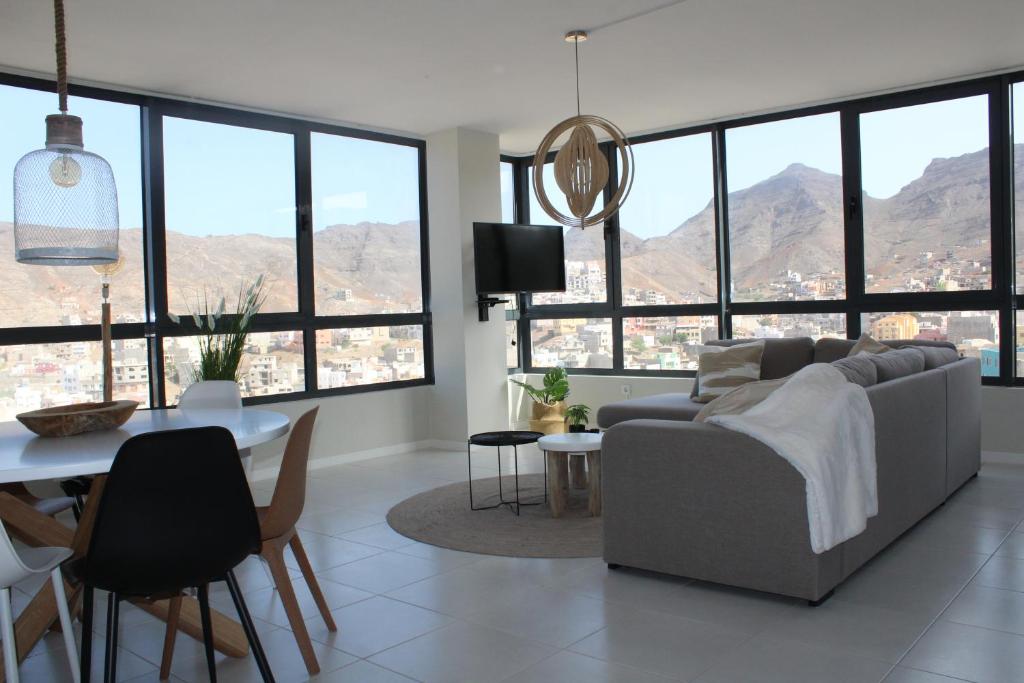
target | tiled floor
[{"x": 945, "y": 603}]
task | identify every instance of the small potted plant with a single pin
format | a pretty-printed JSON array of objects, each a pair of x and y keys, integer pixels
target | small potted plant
[
  {"x": 577, "y": 416},
  {"x": 548, "y": 413},
  {"x": 222, "y": 339}
]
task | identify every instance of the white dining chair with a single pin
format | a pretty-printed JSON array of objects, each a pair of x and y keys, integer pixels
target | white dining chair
[{"x": 16, "y": 566}]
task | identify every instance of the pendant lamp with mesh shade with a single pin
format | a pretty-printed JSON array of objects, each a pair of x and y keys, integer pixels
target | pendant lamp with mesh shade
[{"x": 65, "y": 198}]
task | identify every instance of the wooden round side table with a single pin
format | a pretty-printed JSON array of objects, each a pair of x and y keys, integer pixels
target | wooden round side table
[{"x": 558, "y": 449}]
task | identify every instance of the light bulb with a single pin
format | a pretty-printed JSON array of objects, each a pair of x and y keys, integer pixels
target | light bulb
[{"x": 65, "y": 171}]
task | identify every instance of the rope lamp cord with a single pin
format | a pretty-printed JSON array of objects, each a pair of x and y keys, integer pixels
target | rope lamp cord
[{"x": 62, "y": 55}]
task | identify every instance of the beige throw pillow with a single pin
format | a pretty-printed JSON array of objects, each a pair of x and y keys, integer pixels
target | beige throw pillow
[
  {"x": 867, "y": 344},
  {"x": 722, "y": 370},
  {"x": 741, "y": 399}
]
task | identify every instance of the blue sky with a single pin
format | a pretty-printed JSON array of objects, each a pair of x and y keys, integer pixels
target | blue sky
[{"x": 224, "y": 179}]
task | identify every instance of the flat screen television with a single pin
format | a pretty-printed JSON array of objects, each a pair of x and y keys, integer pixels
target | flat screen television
[{"x": 518, "y": 258}]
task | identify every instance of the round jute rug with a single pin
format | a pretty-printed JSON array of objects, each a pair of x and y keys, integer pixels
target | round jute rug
[{"x": 442, "y": 517}]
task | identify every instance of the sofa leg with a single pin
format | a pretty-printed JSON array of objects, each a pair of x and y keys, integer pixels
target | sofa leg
[
  {"x": 821, "y": 600},
  {"x": 613, "y": 566}
]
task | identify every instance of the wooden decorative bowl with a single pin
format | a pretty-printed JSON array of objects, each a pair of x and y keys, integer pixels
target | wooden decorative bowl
[{"x": 78, "y": 418}]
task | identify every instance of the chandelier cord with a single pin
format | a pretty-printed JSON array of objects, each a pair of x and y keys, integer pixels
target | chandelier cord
[
  {"x": 62, "y": 55},
  {"x": 576, "y": 50}
]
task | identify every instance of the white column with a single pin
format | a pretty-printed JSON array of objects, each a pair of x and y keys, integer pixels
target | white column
[{"x": 470, "y": 393}]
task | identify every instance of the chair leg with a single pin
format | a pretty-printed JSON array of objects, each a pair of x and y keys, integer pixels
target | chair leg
[
  {"x": 250, "y": 630},
  {"x": 65, "y": 623},
  {"x": 314, "y": 586},
  {"x": 85, "y": 666},
  {"x": 10, "y": 649},
  {"x": 275, "y": 558},
  {"x": 204, "y": 616},
  {"x": 110, "y": 657},
  {"x": 173, "y": 612}
]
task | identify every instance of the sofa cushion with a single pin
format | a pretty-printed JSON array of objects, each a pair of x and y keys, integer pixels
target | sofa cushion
[
  {"x": 782, "y": 357},
  {"x": 868, "y": 344},
  {"x": 936, "y": 356},
  {"x": 741, "y": 399},
  {"x": 827, "y": 349},
  {"x": 722, "y": 369},
  {"x": 898, "y": 363},
  {"x": 858, "y": 369},
  {"x": 660, "y": 407}
]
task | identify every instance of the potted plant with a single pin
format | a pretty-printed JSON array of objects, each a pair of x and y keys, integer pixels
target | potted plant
[
  {"x": 222, "y": 340},
  {"x": 577, "y": 416},
  {"x": 548, "y": 412}
]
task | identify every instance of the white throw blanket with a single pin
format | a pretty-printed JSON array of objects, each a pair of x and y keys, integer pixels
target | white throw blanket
[{"x": 823, "y": 426}]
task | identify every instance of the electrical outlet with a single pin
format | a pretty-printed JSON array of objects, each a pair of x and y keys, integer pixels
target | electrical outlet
[{"x": 627, "y": 390}]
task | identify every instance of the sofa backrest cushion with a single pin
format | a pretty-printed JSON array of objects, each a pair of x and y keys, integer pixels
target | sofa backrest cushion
[
  {"x": 858, "y": 369},
  {"x": 828, "y": 349},
  {"x": 936, "y": 356},
  {"x": 896, "y": 364},
  {"x": 782, "y": 357}
]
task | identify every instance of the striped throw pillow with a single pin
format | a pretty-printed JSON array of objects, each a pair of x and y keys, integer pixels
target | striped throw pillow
[{"x": 722, "y": 369}]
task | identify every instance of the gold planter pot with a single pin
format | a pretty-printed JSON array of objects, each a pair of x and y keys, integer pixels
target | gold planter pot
[{"x": 548, "y": 418}]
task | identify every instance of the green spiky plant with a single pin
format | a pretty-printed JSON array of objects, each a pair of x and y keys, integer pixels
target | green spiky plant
[
  {"x": 577, "y": 416},
  {"x": 221, "y": 346},
  {"x": 555, "y": 387}
]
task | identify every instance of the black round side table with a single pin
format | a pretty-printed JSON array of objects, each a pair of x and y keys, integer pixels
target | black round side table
[{"x": 497, "y": 440}]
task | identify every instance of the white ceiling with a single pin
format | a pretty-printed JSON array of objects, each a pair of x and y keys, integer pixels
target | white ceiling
[{"x": 500, "y": 65}]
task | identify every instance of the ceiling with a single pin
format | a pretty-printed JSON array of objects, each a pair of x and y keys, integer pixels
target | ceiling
[{"x": 420, "y": 66}]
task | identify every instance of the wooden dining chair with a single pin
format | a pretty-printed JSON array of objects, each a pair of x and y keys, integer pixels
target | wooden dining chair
[{"x": 277, "y": 530}]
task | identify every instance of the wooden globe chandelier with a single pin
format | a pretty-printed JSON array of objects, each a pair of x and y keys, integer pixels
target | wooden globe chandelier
[{"x": 581, "y": 169}]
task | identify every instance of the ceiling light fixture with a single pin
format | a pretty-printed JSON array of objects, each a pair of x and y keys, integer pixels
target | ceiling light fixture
[
  {"x": 65, "y": 199},
  {"x": 581, "y": 169}
]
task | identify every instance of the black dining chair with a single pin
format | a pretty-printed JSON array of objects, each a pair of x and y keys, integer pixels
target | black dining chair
[{"x": 175, "y": 513}]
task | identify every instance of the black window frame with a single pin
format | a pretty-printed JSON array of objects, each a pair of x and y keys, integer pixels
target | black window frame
[
  {"x": 158, "y": 325},
  {"x": 1000, "y": 297}
]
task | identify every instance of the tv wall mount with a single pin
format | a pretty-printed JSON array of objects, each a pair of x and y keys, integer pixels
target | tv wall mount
[{"x": 485, "y": 303}]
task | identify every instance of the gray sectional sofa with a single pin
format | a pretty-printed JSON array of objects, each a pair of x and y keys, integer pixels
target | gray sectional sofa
[{"x": 696, "y": 500}]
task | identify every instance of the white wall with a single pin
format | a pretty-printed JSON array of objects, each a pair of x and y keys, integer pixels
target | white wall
[{"x": 1002, "y": 417}]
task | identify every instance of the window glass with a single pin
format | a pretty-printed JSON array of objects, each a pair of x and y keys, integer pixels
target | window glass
[
  {"x": 64, "y": 295},
  {"x": 508, "y": 192},
  {"x": 366, "y": 226},
  {"x": 34, "y": 376},
  {"x": 357, "y": 356},
  {"x": 571, "y": 343},
  {"x": 786, "y": 210},
  {"x": 666, "y": 342},
  {"x": 814, "y": 325},
  {"x": 230, "y": 213},
  {"x": 926, "y": 200},
  {"x": 586, "y": 278},
  {"x": 975, "y": 333},
  {"x": 271, "y": 364},
  {"x": 667, "y": 225},
  {"x": 1018, "y": 345}
]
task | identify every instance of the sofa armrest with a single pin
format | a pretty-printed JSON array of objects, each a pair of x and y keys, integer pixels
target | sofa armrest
[{"x": 697, "y": 500}]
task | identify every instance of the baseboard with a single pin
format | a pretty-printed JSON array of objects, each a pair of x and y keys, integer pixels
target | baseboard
[
  {"x": 1002, "y": 458},
  {"x": 270, "y": 472}
]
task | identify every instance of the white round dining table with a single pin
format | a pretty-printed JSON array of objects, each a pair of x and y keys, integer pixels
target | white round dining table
[{"x": 27, "y": 457}]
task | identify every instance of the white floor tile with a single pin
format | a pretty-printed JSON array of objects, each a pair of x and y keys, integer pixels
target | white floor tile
[{"x": 968, "y": 652}]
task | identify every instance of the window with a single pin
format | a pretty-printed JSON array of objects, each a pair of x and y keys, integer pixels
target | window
[
  {"x": 926, "y": 197},
  {"x": 667, "y": 225},
  {"x": 786, "y": 210},
  {"x": 366, "y": 226},
  {"x": 572, "y": 343},
  {"x": 34, "y": 376},
  {"x": 229, "y": 212},
  {"x": 506, "y": 172},
  {"x": 585, "y": 272},
  {"x": 975, "y": 333},
  {"x": 1018, "y": 346},
  {"x": 357, "y": 356},
  {"x": 666, "y": 343},
  {"x": 773, "y": 325},
  {"x": 68, "y": 296},
  {"x": 271, "y": 364}
]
